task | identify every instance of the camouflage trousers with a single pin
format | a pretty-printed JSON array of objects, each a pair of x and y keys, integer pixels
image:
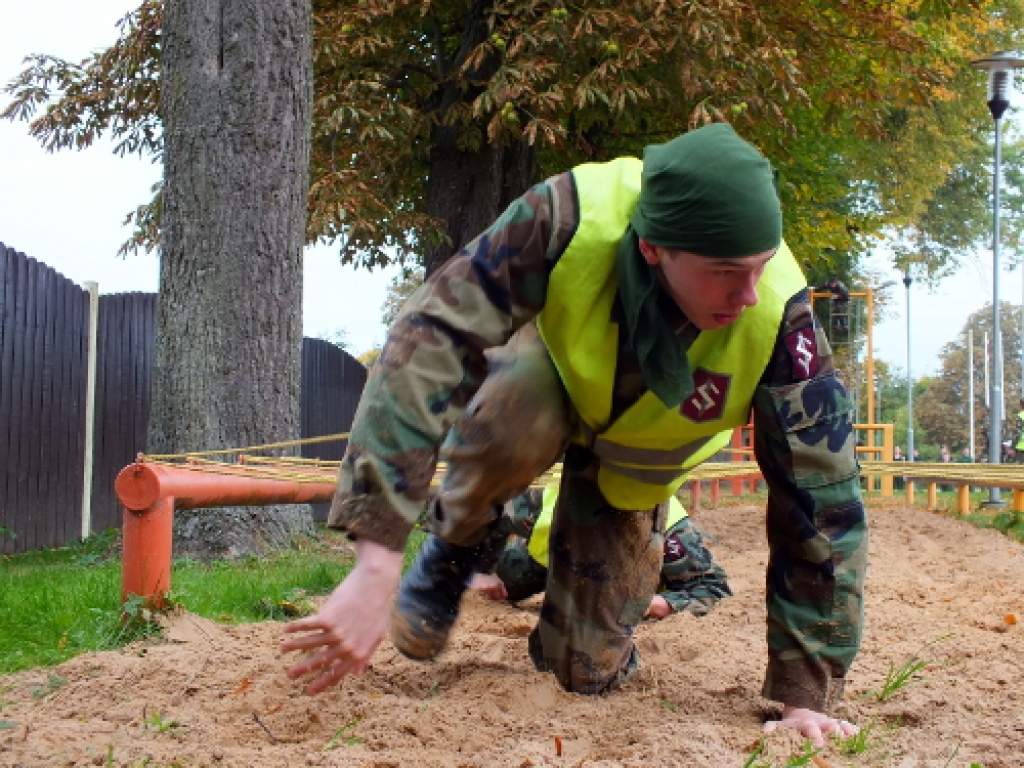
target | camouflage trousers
[{"x": 605, "y": 562}]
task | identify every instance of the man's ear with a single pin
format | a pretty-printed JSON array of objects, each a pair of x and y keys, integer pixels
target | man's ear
[{"x": 649, "y": 252}]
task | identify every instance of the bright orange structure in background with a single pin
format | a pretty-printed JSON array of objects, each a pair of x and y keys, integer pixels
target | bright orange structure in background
[{"x": 151, "y": 492}]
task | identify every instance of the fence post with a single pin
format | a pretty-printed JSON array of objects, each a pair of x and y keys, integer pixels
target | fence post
[
  {"x": 1018, "y": 500},
  {"x": 933, "y": 497},
  {"x": 859, "y": 450},
  {"x": 963, "y": 498},
  {"x": 887, "y": 451},
  {"x": 737, "y": 442},
  {"x": 90, "y": 407}
]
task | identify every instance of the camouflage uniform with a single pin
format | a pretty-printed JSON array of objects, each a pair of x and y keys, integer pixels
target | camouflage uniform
[
  {"x": 691, "y": 580},
  {"x": 433, "y": 366}
]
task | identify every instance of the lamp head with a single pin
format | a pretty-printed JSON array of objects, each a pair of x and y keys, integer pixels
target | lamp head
[{"x": 1000, "y": 67}]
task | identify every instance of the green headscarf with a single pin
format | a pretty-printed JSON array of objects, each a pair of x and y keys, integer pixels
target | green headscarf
[{"x": 706, "y": 192}]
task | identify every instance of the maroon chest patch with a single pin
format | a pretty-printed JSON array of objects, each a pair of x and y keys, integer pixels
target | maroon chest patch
[
  {"x": 803, "y": 353},
  {"x": 708, "y": 399}
]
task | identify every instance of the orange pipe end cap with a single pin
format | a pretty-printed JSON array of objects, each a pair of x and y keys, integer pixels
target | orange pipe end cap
[{"x": 137, "y": 486}]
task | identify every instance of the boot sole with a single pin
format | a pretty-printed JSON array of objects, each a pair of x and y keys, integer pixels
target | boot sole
[{"x": 415, "y": 639}]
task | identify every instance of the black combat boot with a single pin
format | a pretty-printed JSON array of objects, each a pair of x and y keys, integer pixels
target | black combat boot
[{"x": 428, "y": 600}]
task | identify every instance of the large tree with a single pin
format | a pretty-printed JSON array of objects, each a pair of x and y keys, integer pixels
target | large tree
[
  {"x": 235, "y": 106},
  {"x": 429, "y": 116},
  {"x": 942, "y": 411}
]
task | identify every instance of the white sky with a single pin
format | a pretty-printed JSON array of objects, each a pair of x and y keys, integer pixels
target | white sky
[{"x": 66, "y": 210}]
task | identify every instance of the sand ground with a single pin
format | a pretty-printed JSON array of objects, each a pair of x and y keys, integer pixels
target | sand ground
[{"x": 213, "y": 695}]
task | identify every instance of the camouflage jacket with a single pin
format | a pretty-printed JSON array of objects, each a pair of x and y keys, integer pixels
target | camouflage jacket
[{"x": 433, "y": 362}]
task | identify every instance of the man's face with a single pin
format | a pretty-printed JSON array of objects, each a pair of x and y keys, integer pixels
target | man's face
[{"x": 711, "y": 292}]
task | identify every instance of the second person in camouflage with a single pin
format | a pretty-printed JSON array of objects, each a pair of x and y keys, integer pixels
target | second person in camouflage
[{"x": 691, "y": 581}]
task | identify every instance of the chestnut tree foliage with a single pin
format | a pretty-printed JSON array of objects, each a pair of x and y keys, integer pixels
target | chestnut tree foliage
[{"x": 430, "y": 116}]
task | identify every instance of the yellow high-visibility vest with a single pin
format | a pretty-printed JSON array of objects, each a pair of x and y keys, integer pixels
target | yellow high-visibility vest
[{"x": 646, "y": 452}]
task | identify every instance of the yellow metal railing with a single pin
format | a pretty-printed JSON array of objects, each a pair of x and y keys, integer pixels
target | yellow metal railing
[{"x": 874, "y": 444}]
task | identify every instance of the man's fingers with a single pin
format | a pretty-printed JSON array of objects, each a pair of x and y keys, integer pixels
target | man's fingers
[
  {"x": 302, "y": 643},
  {"x": 847, "y": 729},
  {"x": 330, "y": 676},
  {"x": 312, "y": 662},
  {"x": 812, "y": 732},
  {"x": 843, "y": 728},
  {"x": 304, "y": 625},
  {"x": 313, "y": 640}
]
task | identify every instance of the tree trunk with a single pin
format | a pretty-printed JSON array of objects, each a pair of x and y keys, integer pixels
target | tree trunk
[
  {"x": 469, "y": 190},
  {"x": 236, "y": 108}
]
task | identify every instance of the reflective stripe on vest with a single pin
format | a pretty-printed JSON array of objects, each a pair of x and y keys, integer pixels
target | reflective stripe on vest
[
  {"x": 647, "y": 451},
  {"x": 616, "y": 454},
  {"x": 538, "y": 543}
]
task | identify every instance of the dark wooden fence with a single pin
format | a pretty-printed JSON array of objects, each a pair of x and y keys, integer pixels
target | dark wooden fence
[
  {"x": 44, "y": 329},
  {"x": 125, "y": 336},
  {"x": 43, "y": 319}
]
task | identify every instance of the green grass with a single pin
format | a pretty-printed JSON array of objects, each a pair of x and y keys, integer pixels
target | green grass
[
  {"x": 1009, "y": 523},
  {"x": 156, "y": 723},
  {"x": 340, "y": 736},
  {"x": 871, "y": 737},
  {"x": 898, "y": 678},
  {"x": 759, "y": 757},
  {"x": 57, "y": 603}
]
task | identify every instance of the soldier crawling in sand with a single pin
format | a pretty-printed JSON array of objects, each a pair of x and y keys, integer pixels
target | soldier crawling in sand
[{"x": 625, "y": 316}]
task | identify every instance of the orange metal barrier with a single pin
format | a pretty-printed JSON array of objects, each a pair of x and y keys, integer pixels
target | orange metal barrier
[{"x": 151, "y": 492}]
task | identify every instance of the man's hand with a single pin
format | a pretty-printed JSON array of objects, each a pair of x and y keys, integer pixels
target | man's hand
[
  {"x": 658, "y": 609},
  {"x": 812, "y": 725},
  {"x": 350, "y": 625},
  {"x": 490, "y": 585}
]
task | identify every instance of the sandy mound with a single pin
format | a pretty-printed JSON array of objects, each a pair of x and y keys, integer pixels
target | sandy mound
[{"x": 217, "y": 696}]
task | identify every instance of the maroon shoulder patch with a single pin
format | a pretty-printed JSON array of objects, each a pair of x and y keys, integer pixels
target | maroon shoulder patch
[
  {"x": 674, "y": 549},
  {"x": 707, "y": 402},
  {"x": 803, "y": 353}
]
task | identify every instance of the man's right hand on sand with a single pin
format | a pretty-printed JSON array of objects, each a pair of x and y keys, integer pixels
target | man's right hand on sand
[
  {"x": 348, "y": 627},
  {"x": 490, "y": 585}
]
